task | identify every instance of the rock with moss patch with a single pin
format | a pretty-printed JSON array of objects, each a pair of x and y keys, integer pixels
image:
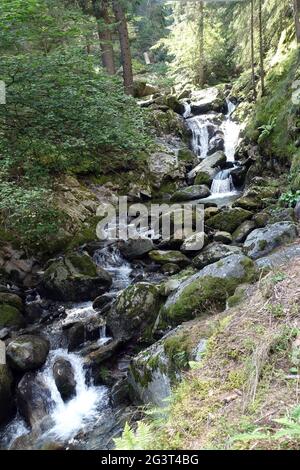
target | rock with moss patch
[
  {"x": 241, "y": 233},
  {"x": 187, "y": 156},
  {"x": 135, "y": 248},
  {"x": 27, "y": 352},
  {"x": 155, "y": 370},
  {"x": 142, "y": 89},
  {"x": 194, "y": 243},
  {"x": 262, "y": 241},
  {"x": 213, "y": 253},
  {"x": 74, "y": 277},
  {"x": 11, "y": 316},
  {"x": 135, "y": 309},
  {"x": 11, "y": 299},
  {"x": 208, "y": 289},
  {"x": 205, "y": 172},
  {"x": 6, "y": 396},
  {"x": 171, "y": 256},
  {"x": 229, "y": 219},
  {"x": 223, "y": 237},
  {"x": 190, "y": 193}
]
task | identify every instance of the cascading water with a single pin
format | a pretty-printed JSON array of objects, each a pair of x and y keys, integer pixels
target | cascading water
[
  {"x": 222, "y": 183},
  {"x": 200, "y": 135}
]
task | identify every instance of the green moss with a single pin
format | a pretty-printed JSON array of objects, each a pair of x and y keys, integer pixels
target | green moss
[
  {"x": 203, "y": 178},
  {"x": 262, "y": 244},
  {"x": 83, "y": 263},
  {"x": 230, "y": 219},
  {"x": 10, "y": 316},
  {"x": 177, "y": 350},
  {"x": 11, "y": 299}
]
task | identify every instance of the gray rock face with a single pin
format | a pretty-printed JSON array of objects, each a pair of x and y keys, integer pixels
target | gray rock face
[
  {"x": 210, "y": 99},
  {"x": 131, "y": 249},
  {"x": 33, "y": 398},
  {"x": 190, "y": 193},
  {"x": 74, "y": 278},
  {"x": 208, "y": 168},
  {"x": 297, "y": 210},
  {"x": 136, "y": 308},
  {"x": 262, "y": 241},
  {"x": 6, "y": 397},
  {"x": 76, "y": 336},
  {"x": 213, "y": 253},
  {"x": 64, "y": 378},
  {"x": 27, "y": 352},
  {"x": 241, "y": 233},
  {"x": 165, "y": 166}
]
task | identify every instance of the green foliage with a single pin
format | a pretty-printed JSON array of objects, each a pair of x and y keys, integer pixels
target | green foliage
[
  {"x": 290, "y": 198},
  {"x": 138, "y": 440},
  {"x": 266, "y": 129}
]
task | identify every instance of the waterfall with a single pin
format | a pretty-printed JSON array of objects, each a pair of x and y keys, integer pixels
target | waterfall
[
  {"x": 112, "y": 261},
  {"x": 200, "y": 136},
  {"x": 231, "y": 130},
  {"x": 83, "y": 410},
  {"x": 222, "y": 183},
  {"x": 187, "y": 110}
]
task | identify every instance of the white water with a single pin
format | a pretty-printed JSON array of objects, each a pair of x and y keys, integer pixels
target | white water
[
  {"x": 112, "y": 261},
  {"x": 222, "y": 183},
  {"x": 231, "y": 130},
  {"x": 200, "y": 136},
  {"x": 80, "y": 412}
]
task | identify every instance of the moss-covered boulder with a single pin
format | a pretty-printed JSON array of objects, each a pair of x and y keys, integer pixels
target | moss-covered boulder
[
  {"x": 6, "y": 396},
  {"x": 208, "y": 289},
  {"x": 190, "y": 193},
  {"x": 27, "y": 352},
  {"x": 11, "y": 299},
  {"x": 74, "y": 277},
  {"x": 229, "y": 219},
  {"x": 213, "y": 253},
  {"x": 223, "y": 237},
  {"x": 155, "y": 370},
  {"x": 10, "y": 316},
  {"x": 134, "y": 310},
  {"x": 262, "y": 241},
  {"x": 205, "y": 172},
  {"x": 171, "y": 256},
  {"x": 187, "y": 156},
  {"x": 241, "y": 233},
  {"x": 248, "y": 203},
  {"x": 142, "y": 89}
]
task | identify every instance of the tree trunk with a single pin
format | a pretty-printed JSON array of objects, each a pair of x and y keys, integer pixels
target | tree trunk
[
  {"x": 100, "y": 9},
  {"x": 201, "y": 39},
  {"x": 125, "y": 46},
  {"x": 252, "y": 50},
  {"x": 261, "y": 49},
  {"x": 297, "y": 19}
]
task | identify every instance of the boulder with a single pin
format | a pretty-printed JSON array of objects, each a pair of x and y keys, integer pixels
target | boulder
[
  {"x": 187, "y": 156},
  {"x": 210, "y": 212},
  {"x": 132, "y": 249},
  {"x": 229, "y": 219},
  {"x": 64, "y": 378},
  {"x": 241, "y": 233},
  {"x": 213, "y": 253},
  {"x": 74, "y": 277},
  {"x": 27, "y": 352},
  {"x": 6, "y": 396},
  {"x": 190, "y": 193},
  {"x": 75, "y": 336},
  {"x": 11, "y": 317},
  {"x": 170, "y": 268},
  {"x": 208, "y": 289},
  {"x": 262, "y": 241},
  {"x": 205, "y": 172},
  {"x": 223, "y": 237},
  {"x": 142, "y": 89},
  {"x": 172, "y": 102},
  {"x": 33, "y": 399},
  {"x": 102, "y": 301},
  {"x": 171, "y": 256},
  {"x": 154, "y": 371},
  {"x": 11, "y": 299},
  {"x": 194, "y": 243},
  {"x": 165, "y": 166},
  {"x": 206, "y": 100},
  {"x": 134, "y": 310}
]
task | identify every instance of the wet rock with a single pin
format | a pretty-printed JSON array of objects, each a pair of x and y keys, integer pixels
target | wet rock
[
  {"x": 74, "y": 278},
  {"x": 205, "y": 172},
  {"x": 223, "y": 237},
  {"x": 262, "y": 241},
  {"x": 64, "y": 378},
  {"x": 102, "y": 301},
  {"x": 210, "y": 99},
  {"x": 27, "y": 352},
  {"x": 6, "y": 396},
  {"x": 190, "y": 193},
  {"x": 213, "y": 253},
  {"x": 33, "y": 399},
  {"x": 170, "y": 268},
  {"x": 166, "y": 257},
  {"x": 216, "y": 144},
  {"x": 229, "y": 219},
  {"x": 208, "y": 289},
  {"x": 76, "y": 336},
  {"x": 238, "y": 175},
  {"x": 134, "y": 310},
  {"x": 132, "y": 249},
  {"x": 241, "y": 233}
]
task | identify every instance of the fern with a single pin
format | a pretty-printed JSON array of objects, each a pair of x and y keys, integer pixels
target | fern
[
  {"x": 267, "y": 129},
  {"x": 139, "y": 440}
]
